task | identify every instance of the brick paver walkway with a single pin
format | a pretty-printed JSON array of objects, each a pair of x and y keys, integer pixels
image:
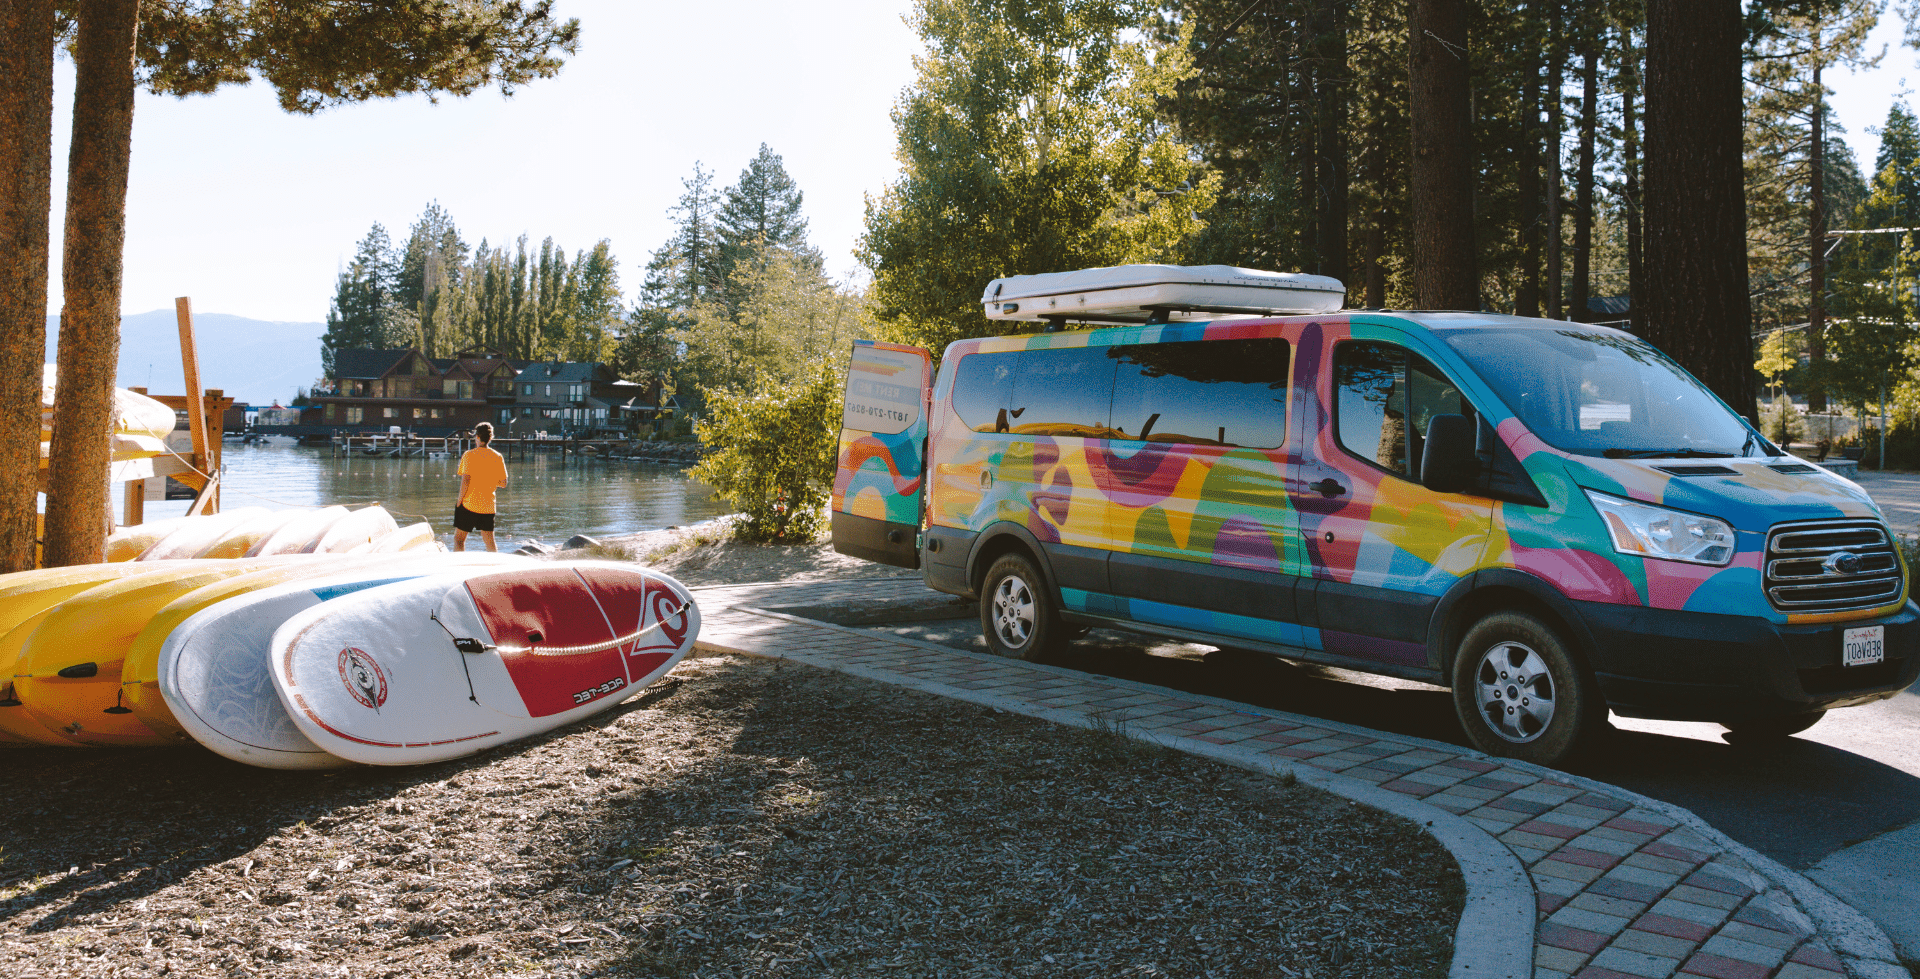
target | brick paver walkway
[{"x": 1625, "y": 887}]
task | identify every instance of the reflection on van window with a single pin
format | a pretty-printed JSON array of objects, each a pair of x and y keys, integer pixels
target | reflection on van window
[
  {"x": 1373, "y": 383},
  {"x": 1213, "y": 392},
  {"x": 1603, "y": 393},
  {"x": 982, "y": 386},
  {"x": 1064, "y": 392}
]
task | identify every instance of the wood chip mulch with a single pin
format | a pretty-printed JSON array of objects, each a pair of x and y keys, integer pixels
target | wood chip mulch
[{"x": 741, "y": 818}]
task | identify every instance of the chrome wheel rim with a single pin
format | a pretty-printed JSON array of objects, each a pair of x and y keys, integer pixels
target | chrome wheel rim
[
  {"x": 1013, "y": 612},
  {"x": 1515, "y": 691}
]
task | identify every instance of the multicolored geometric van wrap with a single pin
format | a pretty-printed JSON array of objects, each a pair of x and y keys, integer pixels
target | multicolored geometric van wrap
[
  {"x": 1275, "y": 509},
  {"x": 883, "y": 432}
]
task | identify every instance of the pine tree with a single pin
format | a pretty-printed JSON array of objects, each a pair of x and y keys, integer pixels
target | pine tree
[
  {"x": 26, "y": 199},
  {"x": 315, "y": 54},
  {"x": 762, "y": 211},
  {"x": 362, "y": 296}
]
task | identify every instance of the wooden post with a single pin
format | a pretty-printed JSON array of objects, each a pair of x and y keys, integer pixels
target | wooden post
[
  {"x": 217, "y": 445},
  {"x": 196, "y": 406}
]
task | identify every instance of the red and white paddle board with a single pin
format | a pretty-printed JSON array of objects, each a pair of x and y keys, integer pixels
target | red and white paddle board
[
  {"x": 437, "y": 668},
  {"x": 213, "y": 668}
]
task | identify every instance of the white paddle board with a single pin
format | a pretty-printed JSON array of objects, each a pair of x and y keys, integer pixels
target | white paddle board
[
  {"x": 438, "y": 668},
  {"x": 213, "y": 667}
]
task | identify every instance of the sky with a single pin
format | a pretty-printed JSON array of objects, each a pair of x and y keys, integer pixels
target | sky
[{"x": 253, "y": 212}]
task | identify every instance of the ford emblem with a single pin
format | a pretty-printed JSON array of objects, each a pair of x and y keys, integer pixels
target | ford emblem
[{"x": 1841, "y": 562}]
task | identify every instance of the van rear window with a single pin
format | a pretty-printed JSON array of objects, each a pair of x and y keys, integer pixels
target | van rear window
[{"x": 1208, "y": 392}]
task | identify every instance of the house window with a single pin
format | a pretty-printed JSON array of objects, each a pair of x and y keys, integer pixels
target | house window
[
  {"x": 333, "y": 413},
  {"x": 419, "y": 413},
  {"x": 389, "y": 412},
  {"x": 355, "y": 414},
  {"x": 549, "y": 393},
  {"x": 526, "y": 389},
  {"x": 433, "y": 413},
  {"x": 506, "y": 415},
  {"x": 524, "y": 412}
]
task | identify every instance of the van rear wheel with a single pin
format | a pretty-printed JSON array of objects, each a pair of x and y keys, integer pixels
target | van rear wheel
[
  {"x": 1017, "y": 616},
  {"x": 1521, "y": 693}
]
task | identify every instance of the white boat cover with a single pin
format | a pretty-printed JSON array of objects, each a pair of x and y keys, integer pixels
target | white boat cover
[{"x": 1136, "y": 293}]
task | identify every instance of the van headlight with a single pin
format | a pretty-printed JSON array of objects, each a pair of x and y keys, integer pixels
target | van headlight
[{"x": 1646, "y": 530}]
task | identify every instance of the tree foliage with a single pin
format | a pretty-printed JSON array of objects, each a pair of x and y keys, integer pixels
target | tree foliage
[
  {"x": 1030, "y": 142},
  {"x": 771, "y": 452},
  {"x": 430, "y": 292}
]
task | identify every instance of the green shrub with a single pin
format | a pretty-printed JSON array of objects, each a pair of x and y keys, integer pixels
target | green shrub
[{"x": 771, "y": 454}]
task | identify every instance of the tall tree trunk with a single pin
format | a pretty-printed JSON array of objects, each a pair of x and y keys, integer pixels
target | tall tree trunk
[
  {"x": 1308, "y": 149},
  {"x": 1556, "y": 81},
  {"x": 1697, "y": 305},
  {"x": 96, "y": 229},
  {"x": 1331, "y": 142},
  {"x": 1630, "y": 162},
  {"x": 1442, "y": 178},
  {"x": 1817, "y": 237},
  {"x": 1583, "y": 183},
  {"x": 1376, "y": 283},
  {"x": 26, "y": 188},
  {"x": 1526, "y": 297}
]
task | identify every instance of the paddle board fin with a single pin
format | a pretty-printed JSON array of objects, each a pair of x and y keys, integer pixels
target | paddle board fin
[{"x": 7, "y": 699}]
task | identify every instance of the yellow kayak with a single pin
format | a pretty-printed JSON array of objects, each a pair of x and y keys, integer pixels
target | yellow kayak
[
  {"x": 238, "y": 541},
  {"x": 128, "y": 543},
  {"x": 140, "y": 672},
  {"x": 67, "y": 671},
  {"x": 25, "y": 598}
]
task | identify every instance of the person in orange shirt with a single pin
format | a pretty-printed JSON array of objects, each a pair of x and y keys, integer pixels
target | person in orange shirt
[{"x": 482, "y": 471}]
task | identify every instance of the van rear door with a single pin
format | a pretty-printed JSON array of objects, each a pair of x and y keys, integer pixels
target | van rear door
[{"x": 878, "y": 479}]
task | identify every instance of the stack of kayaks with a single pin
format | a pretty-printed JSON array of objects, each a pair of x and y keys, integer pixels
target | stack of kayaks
[
  {"x": 259, "y": 532},
  {"x": 310, "y": 662}
]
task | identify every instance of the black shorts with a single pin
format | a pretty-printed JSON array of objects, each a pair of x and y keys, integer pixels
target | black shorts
[{"x": 467, "y": 520}]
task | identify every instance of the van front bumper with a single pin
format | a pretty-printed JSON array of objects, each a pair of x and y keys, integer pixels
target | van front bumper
[{"x": 1695, "y": 666}]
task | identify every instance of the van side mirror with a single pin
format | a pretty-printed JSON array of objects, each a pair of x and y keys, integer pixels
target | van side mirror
[{"x": 1449, "y": 462}]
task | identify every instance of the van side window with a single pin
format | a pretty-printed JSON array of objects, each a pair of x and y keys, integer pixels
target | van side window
[
  {"x": 982, "y": 387},
  {"x": 1064, "y": 392},
  {"x": 1209, "y": 392},
  {"x": 1384, "y": 399}
]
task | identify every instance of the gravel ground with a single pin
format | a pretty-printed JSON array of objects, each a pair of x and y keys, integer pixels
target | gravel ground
[{"x": 740, "y": 818}]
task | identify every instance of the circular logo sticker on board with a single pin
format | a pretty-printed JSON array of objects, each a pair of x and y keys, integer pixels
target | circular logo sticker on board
[{"x": 363, "y": 677}]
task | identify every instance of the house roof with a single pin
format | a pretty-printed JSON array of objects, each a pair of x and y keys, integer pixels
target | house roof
[
  {"x": 366, "y": 365},
  {"x": 560, "y": 372}
]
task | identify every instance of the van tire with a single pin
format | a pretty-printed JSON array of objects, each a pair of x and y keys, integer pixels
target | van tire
[
  {"x": 1018, "y": 616},
  {"x": 1521, "y": 692}
]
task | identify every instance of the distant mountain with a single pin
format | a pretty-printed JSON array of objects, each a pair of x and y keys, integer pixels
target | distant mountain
[{"x": 254, "y": 361}]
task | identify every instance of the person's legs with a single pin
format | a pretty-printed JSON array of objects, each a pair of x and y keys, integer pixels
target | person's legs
[
  {"x": 487, "y": 535},
  {"x": 460, "y": 540}
]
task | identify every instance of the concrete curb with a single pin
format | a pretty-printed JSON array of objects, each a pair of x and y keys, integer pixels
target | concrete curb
[{"x": 1495, "y": 937}]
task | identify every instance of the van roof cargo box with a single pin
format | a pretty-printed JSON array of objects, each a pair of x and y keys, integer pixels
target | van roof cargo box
[{"x": 1159, "y": 293}]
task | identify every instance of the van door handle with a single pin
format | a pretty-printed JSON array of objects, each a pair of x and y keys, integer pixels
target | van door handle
[{"x": 1327, "y": 487}]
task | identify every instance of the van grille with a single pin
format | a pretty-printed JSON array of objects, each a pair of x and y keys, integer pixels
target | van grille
[{"x": 1803, "y": 574}]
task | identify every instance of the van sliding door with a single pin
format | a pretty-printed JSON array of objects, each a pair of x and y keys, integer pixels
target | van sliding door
[{"x": 882, "y": 457}]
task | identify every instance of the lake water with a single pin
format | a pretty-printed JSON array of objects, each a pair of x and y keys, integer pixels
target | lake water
[{"x": 545, "y": 498}]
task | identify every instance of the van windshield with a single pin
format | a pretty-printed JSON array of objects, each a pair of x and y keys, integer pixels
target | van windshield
[{"x": 1604, "y": 394}]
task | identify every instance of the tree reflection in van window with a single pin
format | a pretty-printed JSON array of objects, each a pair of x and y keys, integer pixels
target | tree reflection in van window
[
  {"x": 1372, "y": 382},
  {"x": 982, "y": 386},
  {"x": 1062, "y": 393},
  {"x": 1209, "y": 392}
]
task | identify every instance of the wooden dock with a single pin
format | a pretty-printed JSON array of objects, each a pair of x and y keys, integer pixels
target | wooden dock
[{"x": 406, "y": 446}]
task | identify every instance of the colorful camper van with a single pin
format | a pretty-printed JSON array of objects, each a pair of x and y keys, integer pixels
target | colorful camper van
[{"x": 1550, "y": 518}]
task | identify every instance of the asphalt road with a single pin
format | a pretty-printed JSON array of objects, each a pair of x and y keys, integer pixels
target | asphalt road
[{"x": 1851, "y": 777}]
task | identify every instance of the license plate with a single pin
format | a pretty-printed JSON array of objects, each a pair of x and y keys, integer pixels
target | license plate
[{"x": 1867, "y": 644}]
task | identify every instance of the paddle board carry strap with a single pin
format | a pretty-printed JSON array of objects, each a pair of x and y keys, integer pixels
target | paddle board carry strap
[
  {"x": 464, "y": 645},
  {"x": 467, "y": 645}
]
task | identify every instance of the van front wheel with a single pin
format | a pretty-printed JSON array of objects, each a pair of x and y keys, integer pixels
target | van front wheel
[
  {"x": 1016, "y": 613},
  {"x": 1520, "y": 692}
]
